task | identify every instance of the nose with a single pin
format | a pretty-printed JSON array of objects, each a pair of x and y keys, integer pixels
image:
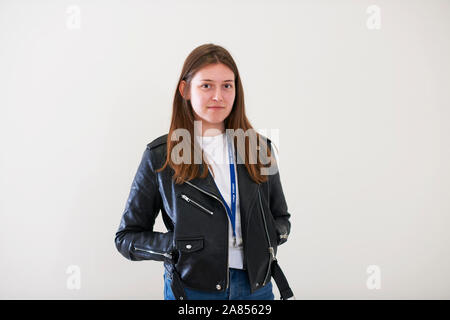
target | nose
[{"x": 217, "y": 95}]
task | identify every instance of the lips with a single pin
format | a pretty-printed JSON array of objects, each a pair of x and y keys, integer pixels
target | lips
[{"x": 217, "y": 107}]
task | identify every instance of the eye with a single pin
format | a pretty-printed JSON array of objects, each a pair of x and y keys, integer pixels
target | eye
[
  {"x": 231, "y": 86},
  {"x": 205, "y": 84}
]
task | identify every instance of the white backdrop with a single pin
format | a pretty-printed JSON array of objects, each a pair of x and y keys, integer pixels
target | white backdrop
[{"x": 359, "y": 94}]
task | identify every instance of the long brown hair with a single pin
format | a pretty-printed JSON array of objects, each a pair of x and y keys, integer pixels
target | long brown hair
[{"x": 183, "y": 117}]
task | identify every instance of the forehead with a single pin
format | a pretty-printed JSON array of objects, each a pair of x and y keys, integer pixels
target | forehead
[{"x": 214, "y": 72}]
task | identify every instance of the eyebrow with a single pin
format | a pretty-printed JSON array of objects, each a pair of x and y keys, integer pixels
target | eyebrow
[{"x": 213, "y": 80}]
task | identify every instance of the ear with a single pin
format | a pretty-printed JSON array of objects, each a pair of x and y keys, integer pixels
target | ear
[{"x": 181, "y": 89}]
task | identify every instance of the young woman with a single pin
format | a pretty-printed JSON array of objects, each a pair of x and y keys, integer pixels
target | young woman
[{"x": 222, "y": 205}]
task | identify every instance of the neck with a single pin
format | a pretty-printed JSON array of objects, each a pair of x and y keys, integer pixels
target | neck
[{"x": 212, "y": 129}]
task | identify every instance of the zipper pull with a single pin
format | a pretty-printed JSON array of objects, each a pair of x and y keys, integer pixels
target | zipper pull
[
  {"x": 234, "y": 241},
  {"x": 272, "y": 254}
]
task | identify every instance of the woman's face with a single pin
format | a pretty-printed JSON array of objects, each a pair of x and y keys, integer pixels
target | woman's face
[{"x": 212, "y": 94}]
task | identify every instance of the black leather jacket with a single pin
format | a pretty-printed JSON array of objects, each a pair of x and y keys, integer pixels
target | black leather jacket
[{"x": 196, "y": 244}]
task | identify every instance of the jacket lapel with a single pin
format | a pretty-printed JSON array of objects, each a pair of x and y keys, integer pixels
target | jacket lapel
[{"x": 247, "y": 187}]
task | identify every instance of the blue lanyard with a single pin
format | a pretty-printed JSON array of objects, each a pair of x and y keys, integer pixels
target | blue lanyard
[{"x": 231, "y": 212}]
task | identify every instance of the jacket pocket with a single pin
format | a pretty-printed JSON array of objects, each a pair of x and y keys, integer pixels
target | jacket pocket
[
  {"x": 273, "y": 227},
  {"x": 191, "y": 260},
  {"x": 189, "y": 244},
  {"x": 196, "y": 204},
  {"x": 279, "y": 230},
  {"x": 269, "y": 223}
]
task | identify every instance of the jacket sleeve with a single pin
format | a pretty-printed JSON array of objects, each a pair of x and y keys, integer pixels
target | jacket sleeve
[
  {"x": 135, "y": 238},
  {"x": 278, "y": 205}
]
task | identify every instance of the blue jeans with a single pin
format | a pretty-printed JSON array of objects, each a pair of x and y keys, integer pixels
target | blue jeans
[{"x": 239, "y": 289}]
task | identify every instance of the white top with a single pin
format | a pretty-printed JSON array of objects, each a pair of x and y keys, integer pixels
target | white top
[{"x": 215, "y": 149}]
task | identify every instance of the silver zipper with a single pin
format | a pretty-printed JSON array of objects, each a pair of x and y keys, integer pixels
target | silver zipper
[
  {"x": 211, "y": 195},
  {"x": 185, "y": 197},
  {"x": 167, "y": 255},
  {"x": 271, "y": 250}
]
